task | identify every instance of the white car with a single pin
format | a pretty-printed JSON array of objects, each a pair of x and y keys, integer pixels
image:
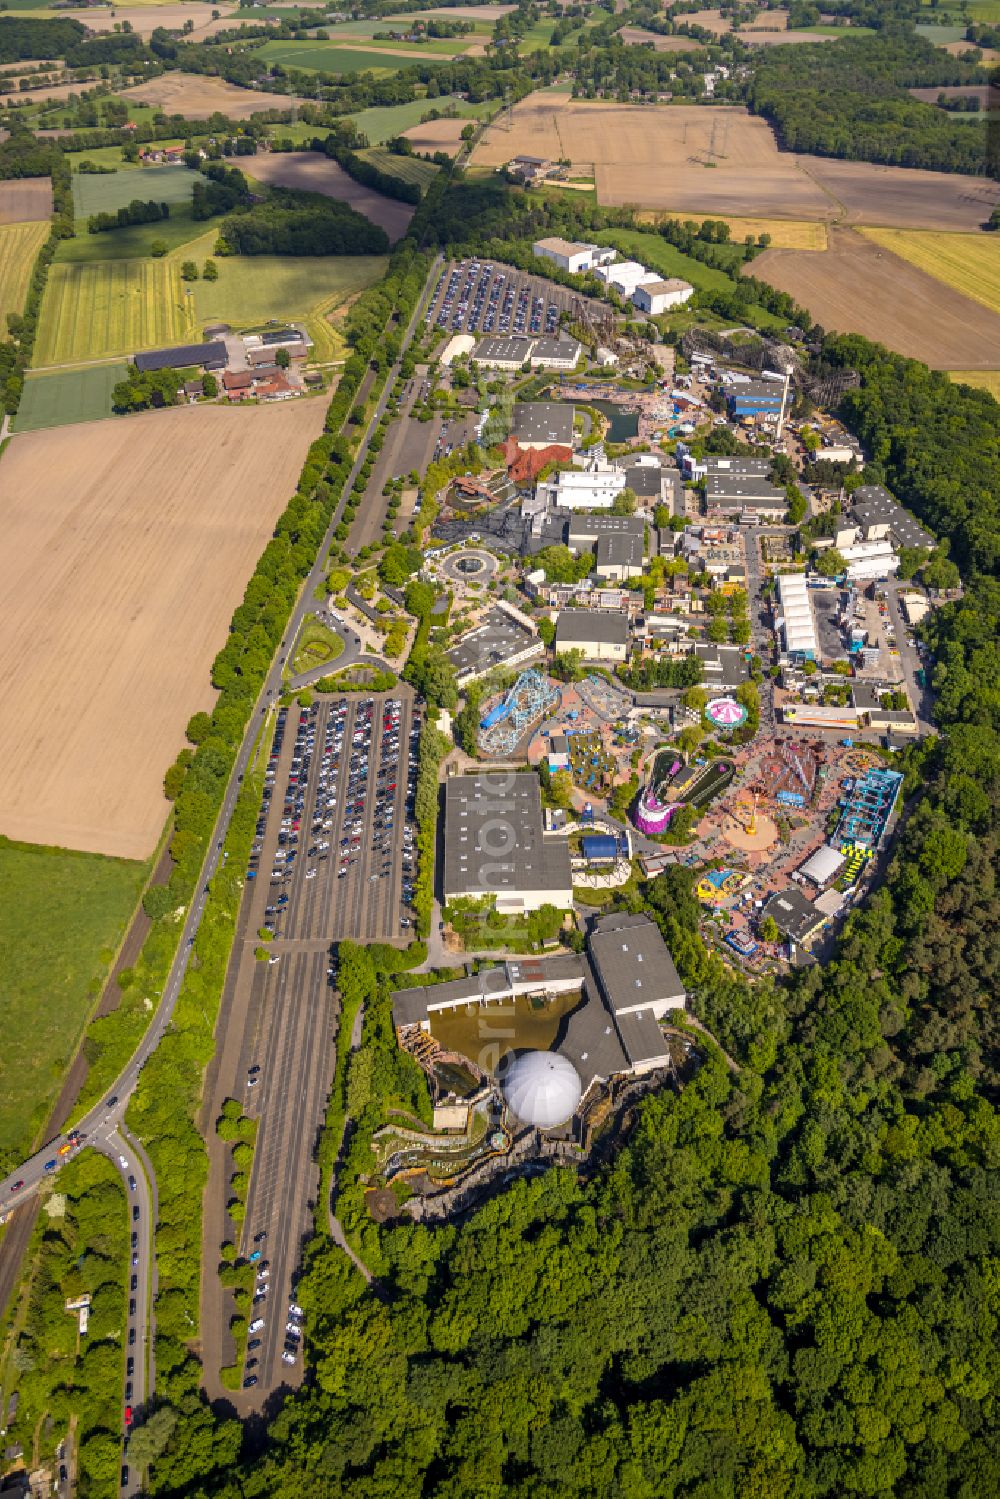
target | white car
[
  {"x": 256, "y": 1325},
  {"x": 288, "y": 1358},
  {"x": 123, "y": 1163}
]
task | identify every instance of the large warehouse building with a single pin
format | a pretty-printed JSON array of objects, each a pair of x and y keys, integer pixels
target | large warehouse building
[{"x": 495, "y": 844}]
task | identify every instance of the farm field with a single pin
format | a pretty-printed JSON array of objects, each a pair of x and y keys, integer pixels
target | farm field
[
  {"x": 19, "y": 245},
  {"x": 198, "y": 97},
  {"x": 904, "y": 197},
  {"x": 984, "y": 379},
  {"x": 313, "y": 173},
  {"x": 970, "y": 263},
  {"x": 114, "y": 531},
  {"x": 786, "y": 234},
  {"x": 68, "y": 396},
  {"x": 658, "y": 158},
  {"x": 92, "y": 309},
  {"x": 437, "y": 135},
  {"x": 337, "y": 57},
  {"x": 251, "y": 289},
  {"x": 25, "y": 199},
  {"x": 381, "y": 124},
  {"x": 135, "y": 241},
  {"x": 144, "y": 19},
  {"x": 854, "y": 287},
  {"x": 406, "y": 168},
  {"x": 635, "y": 36},
  {"x": 106, "y": 193},
  {"x": 51, "y": 969}
]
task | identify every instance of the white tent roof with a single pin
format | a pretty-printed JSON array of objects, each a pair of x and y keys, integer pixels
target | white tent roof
[{"x": 823, "y": 865}]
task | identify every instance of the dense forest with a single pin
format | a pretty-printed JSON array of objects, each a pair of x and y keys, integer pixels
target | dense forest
[
  {"x": 293, "y": 223},
  {"x": 849, "y": 98},
  {"x": 21, "y": 40}
]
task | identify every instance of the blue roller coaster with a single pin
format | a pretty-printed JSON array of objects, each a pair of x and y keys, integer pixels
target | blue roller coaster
[{"x": 503, "y": 728}]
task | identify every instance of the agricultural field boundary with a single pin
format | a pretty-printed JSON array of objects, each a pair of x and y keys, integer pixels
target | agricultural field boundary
[
  {"x": 19, "y": 247},
  {"x": 970, "y": 263}
]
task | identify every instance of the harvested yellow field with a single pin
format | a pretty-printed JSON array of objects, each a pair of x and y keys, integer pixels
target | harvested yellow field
[
  {"x": 19, "y": 245},
  {"x": 968, "y": 262},
  {"x": 127, "y": 545},
  {"x": 985, "y": 379},
  {"x": 96, "y": 308},
  {"x": 786, "y": 234}
]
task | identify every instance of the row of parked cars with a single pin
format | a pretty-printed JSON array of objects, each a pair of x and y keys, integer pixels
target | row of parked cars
[
  {"x": 293, "y": 1322},
  {"x": 479, "y": 295}
]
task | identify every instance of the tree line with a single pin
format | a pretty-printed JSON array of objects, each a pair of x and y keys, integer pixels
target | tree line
[
  {"x": 136, "y": 212},
  {"x": 849, "y": 99}
]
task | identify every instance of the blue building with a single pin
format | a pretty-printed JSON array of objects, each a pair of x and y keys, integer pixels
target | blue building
[
  {"x": 599, "y": 848},
  {"x": 756, "y": 398}
]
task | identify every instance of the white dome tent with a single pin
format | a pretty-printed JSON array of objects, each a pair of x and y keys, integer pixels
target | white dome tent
[{"x": 542, "y": 1088}]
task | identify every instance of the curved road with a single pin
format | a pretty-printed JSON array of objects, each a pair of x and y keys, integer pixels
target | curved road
[{"x": 99, "y": 1125}]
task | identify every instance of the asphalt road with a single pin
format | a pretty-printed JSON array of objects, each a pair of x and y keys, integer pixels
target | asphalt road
[{"x": 98, "y": 1124}]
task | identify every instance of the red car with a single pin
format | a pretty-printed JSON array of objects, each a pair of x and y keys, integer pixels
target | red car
[
  {"x": 128, "y": 1416},
  {"x": 17, "y": 1186}
]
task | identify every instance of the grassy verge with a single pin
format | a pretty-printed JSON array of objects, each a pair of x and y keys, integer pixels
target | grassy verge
[
  {"x": 62, "y": 917},
  {"x": 317, "y": 645}
]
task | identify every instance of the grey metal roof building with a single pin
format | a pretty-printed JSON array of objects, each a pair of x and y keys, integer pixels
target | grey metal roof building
[
  {"x": 543, "y": 422},
  {"x": 580, "y": 628},
  {"x": 873, "y": 504},
  {"x": 499, "y": 640},
  {"x": 583, "y": 530},
  {"x": 633, "y": 966},
  {"x": 796, "y": 918},
  {"x": 494, "y": 844},
  {"x": 737, "y": 465},
  {"x": 513, "y": 349},
  {"x": 211, "y": 356},
  {"x": 725, "y": 486},
  {"x": 619, "y": 553}
]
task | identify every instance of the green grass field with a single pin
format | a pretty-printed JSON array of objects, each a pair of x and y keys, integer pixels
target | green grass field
[
  {"x": 317, "y": 645},
  {"x": 251, "y": 289},
  {"x": 384, "y": 124},
  {"x": 19, "y": 245},
  {"x": 133, "y": 243},
  {"x": 68, "y": 396},
  {"x": 98, "y": 308},
  {"x": 406, "y": 168},
  {"x": 328, "y": 57},
  {"x": 653, "y": 251},
  {"x": 62, "y": 915},
  {"x": 106, "y": 193}
]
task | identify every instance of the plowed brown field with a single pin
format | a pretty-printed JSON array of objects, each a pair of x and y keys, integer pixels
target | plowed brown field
[
  {"x": 855, "y": 286},
  {"x": 312, "y": 173},
  {"x": 197, "y": 96},
  {"x": 26, "y": 200},
  {"x": 127, "y": 545},
  {"x": 702, "y": 159}
]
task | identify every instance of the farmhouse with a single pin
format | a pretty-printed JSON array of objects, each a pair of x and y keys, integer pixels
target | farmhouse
[
  {"x": 495, "y": 845},
  {"x": 210, "y": 356},
  {"x": 655, "y": 297},
  {"x": 601, "y": 637}
]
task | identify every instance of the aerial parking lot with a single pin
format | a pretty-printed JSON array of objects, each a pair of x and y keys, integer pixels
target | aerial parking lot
[
  {"x": 475, "y": 296},
  {"x": 333, "y": 857}
]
